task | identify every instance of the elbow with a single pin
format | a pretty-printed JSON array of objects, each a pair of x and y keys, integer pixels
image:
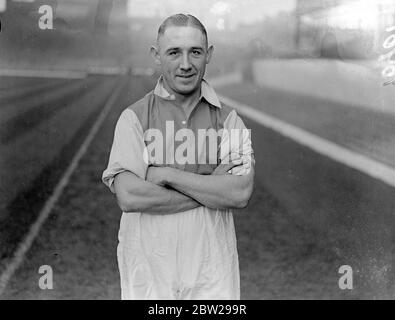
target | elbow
[
  {"x": 125, "y": 206},
  {"x": 243, "y": 198},
  {"x": 241, "y": 204},
  {"x": 127, "y": 203},
  {"x": 129, "y": 193}
]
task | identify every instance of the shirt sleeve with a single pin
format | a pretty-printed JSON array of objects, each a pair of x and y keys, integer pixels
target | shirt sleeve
[
  {"x": 127, "y": 151},
  {"x": 236, "y": 144}
]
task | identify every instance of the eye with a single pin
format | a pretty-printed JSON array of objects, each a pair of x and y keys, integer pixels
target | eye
[{"x": 196, "y": 52}]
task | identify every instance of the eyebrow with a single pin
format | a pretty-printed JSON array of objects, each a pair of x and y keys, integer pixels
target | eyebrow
[
  {"x": 172, "y": 49},
  {"x": 178, "y": 48}
]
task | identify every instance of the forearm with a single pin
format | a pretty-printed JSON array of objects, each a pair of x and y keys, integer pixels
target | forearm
[
  {"x": 213, "y": 191},
  {"x": 137, "y": 195}
]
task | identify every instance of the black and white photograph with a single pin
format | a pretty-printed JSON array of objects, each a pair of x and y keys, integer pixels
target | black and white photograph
[{"x": 211, "y": 150}]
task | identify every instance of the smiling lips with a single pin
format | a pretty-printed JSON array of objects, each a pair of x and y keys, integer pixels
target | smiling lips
[{"x": 186, "y": 76}]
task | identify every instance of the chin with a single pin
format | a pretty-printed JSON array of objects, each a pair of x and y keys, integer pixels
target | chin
[{"x": 186, "y": 89}]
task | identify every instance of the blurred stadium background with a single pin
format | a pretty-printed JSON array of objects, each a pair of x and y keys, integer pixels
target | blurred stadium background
[{"x": 314, "y": 64}]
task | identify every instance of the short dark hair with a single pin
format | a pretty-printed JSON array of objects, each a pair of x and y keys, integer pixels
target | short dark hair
[{"x": 181, "y": 20}]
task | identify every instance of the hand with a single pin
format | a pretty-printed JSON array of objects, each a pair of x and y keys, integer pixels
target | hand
[
  {"x": 223, "y": 168},
  {"x": 157, "y": 175}
]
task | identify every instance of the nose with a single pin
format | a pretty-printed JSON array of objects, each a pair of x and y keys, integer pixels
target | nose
[{"x": 185, "y": 63}]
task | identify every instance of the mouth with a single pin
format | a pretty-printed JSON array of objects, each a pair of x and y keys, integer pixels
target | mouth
[{"x": 185, "y": 76}]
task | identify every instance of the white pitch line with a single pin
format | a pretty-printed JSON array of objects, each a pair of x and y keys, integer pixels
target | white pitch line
[
  {"x": 325, "y": 147},
  {"x": 25, "y": 245},
  {"x": 107, "y": 70},
  {"x": 62, "y": 74}
]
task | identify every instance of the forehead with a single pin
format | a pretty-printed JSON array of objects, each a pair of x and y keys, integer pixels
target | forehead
[{"x": 182, "y": 37}]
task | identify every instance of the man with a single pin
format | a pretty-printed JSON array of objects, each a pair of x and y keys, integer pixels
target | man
[{"x": 177, "y": 237}]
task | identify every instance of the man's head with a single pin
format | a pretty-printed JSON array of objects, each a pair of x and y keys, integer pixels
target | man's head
[{"x": 182, "y": 52}]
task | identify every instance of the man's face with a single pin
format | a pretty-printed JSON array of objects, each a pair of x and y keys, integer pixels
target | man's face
[{"x": 182, "y": 54}]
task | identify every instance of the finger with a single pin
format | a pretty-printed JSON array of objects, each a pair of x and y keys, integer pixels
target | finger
[
  {"x": 231, "y": 157},
  {"x": 226, "y": 167}
]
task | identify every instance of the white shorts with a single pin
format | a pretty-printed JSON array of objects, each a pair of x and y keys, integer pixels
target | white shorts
[{"x": 189, "y": 255}]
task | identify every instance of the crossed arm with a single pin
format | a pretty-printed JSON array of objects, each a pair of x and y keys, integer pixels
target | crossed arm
[{"x": 168, "y": 190}]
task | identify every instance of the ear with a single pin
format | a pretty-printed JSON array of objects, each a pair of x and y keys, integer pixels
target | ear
[
  {"x": 155, "y": 55},
  {"x": 210, "y": 51}
]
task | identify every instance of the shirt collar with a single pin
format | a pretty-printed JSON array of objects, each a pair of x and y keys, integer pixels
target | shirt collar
[{"x": 206, "y": 92}]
